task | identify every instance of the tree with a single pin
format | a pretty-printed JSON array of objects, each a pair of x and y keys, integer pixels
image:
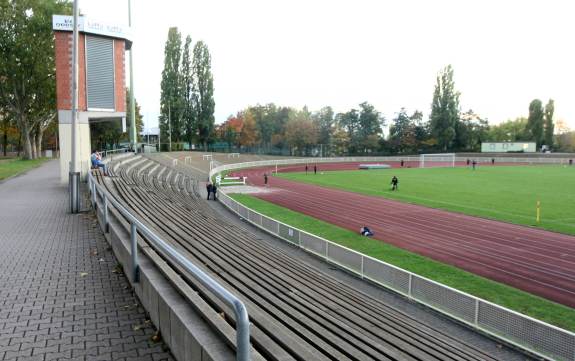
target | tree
[
  {"x": 444, "y": 109},
  {"x": 171, "y": 104},
  {"x": 248, "y": 135},
  {"x": 508, "y": 131},
  {"x": 548, "y": 123},
  {"x": 402, "y": 132},
  {"x": 300, "y": 132},
  {"x": 189, "y": 85},
  {"x": 471, "y": 130},
  {"x": 204, "y": 104},
  {"x": 325, "y": 122},
  {"x": 535, "y": 122},
  {"x": 349, "y": 122},
  {"x": 27, "y": 67},
  {"x": 370, "y": 122}
]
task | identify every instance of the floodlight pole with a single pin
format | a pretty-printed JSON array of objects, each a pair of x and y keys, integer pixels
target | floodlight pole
[
  {"x": 133, "y": 132},
  {"x": 74, "y": 175}
]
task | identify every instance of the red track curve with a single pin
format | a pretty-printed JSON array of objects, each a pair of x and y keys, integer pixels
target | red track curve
[{"x": 536, "y": 261}]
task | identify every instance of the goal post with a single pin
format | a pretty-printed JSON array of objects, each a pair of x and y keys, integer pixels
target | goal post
[{"x": 437, "y": 160}]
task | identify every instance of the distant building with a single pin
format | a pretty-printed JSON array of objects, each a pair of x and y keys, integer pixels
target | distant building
[{"x": 507, "y": 147}]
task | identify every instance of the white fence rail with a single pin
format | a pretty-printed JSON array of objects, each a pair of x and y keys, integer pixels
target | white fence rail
[{"x": 535, "y": 336}]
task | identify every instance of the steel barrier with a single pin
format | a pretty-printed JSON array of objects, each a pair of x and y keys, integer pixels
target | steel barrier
[
  {"x": 525, "y": 332},
  {"x": 240, "y": 311}
]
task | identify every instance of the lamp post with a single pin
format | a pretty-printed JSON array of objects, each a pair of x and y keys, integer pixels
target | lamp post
[
  {"x": 133, "y": 133},
  {"x": 74, "y": 175}
]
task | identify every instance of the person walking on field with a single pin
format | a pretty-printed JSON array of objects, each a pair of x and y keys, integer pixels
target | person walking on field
[
  {"x": 209, "y": 189},
  {"x": 394, "y": 183}
]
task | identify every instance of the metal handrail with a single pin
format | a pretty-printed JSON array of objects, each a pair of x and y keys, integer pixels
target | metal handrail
[{"x": 240, "y": 311}]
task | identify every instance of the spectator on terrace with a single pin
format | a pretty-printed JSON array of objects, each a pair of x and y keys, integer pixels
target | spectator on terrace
[
  {"x": 215, "y": 191},
  {"x": 96, "y": 160},
  {"x": 209, "y": 189},
  {"x": 365, "y": 231}
]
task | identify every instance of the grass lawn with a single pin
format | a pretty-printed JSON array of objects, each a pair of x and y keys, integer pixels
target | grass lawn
[
  {"x": 12, "y": 167},
  {"x": 506, "y": 193},
  {"x": 523, "y": 302}
]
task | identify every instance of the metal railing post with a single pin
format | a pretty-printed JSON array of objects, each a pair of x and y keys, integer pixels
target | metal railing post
[
  {"x": 134, "y": 252},
  {"x": 106, "y": 225},
  {"x": 476, "y": 316},
  {"x": 94, "y": 194}
]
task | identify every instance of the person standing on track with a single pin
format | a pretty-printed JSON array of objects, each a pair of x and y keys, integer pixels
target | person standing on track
[
  {"x": 394, "y": 183},
  {"x": 314, "y": 169},
  {"x": 266, "y": 179},
  {"x": 402, "y": 163},
  {"x": 473, "y": 164},
  {"x": 209, "y": 189},
  {"x": 306, "y": 169}
]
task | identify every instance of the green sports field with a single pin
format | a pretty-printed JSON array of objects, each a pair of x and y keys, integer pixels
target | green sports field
[{"x": 507, "y": 193}]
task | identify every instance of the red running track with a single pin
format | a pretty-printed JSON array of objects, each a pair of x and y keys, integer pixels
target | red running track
[{"x": 536, "y": 261}]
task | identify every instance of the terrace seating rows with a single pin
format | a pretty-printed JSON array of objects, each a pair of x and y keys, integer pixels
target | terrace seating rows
[{"x": 296, "y": 312}]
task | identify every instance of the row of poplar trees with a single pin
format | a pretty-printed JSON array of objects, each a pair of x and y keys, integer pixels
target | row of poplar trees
[{"x": 187, "y": 92}]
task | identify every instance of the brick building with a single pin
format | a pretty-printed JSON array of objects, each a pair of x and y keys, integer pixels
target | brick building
[{"x": 101, "y": 82}]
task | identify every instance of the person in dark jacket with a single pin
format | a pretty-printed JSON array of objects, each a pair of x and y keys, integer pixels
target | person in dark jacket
[
  {"x": 266, "y": 179},
  {"x": 394, "y": 183},
  {"x": 365, "y": 231},
  {"x": 209, "y": 189},
  {"x": 215, "y": 191}
]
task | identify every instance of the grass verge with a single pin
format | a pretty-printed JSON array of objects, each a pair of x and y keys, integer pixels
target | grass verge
[
  {"x": 512, "y": 298},
  {"x": 11, "y": 167}
]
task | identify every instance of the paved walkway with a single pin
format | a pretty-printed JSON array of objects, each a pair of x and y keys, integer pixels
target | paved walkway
[{"x": 61, "y": 296}]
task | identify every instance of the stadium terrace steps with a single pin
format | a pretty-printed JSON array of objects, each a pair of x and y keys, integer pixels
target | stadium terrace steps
[{"x": 296, "y": 311}]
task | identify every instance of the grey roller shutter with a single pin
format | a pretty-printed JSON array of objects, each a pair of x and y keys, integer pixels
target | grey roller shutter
[{"x": 100, "y": 72}]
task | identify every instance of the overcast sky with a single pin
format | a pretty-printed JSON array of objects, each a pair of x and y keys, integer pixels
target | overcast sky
[{"x": 340, "y": 53}]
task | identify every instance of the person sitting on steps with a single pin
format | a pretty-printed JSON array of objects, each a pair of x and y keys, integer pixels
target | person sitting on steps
[
  {"x": 96, "y": 160},
  {"x": 365, "y": 231}
]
